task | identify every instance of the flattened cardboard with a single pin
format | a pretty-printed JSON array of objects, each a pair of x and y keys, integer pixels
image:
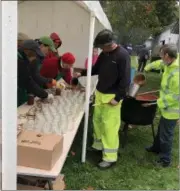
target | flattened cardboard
[
  {"x": 39, "y": 151},
  {"x": 27, "y": 187}
]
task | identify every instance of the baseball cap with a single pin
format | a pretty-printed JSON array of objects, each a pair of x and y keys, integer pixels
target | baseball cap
[
  {"x": 48, "y": 42},
  {"x": 32, "y": 45},
  {"x": 68, "y": 58},
  {"x": 104, "y": 37}
]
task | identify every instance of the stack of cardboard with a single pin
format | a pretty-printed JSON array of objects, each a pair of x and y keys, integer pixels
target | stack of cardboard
[
  {"x": 34, "y": 183},
  {"x": 27, "y": 187}
]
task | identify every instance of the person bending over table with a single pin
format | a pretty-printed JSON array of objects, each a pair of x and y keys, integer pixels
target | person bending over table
[
  {"x": 58, "y": 67},
  {"x": 29, "y": 52}
]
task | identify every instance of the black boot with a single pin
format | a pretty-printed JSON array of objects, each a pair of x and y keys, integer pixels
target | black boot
[{"x": 152, "y": 150}]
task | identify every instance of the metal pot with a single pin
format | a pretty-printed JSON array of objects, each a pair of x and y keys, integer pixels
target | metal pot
[
  {"x": 133, "y": 89},
  {"x": 133, "y": 112}
]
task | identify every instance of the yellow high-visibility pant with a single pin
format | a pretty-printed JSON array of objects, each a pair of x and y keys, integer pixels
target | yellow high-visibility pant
[{"x": 106, "y": 122}]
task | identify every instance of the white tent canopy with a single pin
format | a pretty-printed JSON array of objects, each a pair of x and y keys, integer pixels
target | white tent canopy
[
  {"x": 70, "y": 19},
  {"x": 76, "y": 22}
]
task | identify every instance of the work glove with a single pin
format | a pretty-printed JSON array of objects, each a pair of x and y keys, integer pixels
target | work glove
[
  {"x": 51, "y": 84},
  {"x": 49, "y": 99},
  {"x": 61, "y": 85}
]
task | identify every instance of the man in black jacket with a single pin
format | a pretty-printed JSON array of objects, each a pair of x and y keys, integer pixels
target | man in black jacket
[
  {"x": 26, "y": 78},
  {"x": 113, "y": 70},
  {"x": 143, "y": 56}
]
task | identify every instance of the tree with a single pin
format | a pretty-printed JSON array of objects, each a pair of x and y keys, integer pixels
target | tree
[
  {"x": 134, "y": 21},
  {"x": 166, "y": 11}
]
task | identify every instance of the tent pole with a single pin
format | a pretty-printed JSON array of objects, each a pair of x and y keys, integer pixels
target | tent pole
[
  {"x": 9, "y": 95},
  {"x": 88, "y": 86}
]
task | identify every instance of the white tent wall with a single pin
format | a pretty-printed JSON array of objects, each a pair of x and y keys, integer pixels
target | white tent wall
[{"x": 67, "y": 18}]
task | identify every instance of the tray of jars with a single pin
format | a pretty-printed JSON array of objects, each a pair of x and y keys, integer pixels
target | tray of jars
[{"x": 56, "y": 117}]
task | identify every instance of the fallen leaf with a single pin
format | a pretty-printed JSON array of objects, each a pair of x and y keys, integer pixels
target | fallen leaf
[{"x": 88, "y": 188}]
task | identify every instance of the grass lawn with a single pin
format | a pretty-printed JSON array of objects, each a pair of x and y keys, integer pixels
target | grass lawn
[{"x": 134, "y": 169}]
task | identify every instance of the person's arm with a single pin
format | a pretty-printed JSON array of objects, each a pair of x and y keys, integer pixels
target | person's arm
[
  {"x": 156, "y": 65},
  {"x": 26, "y": 80},
  {"x": 172, "y": 95},
  {"x": 40, "y": 80},
  {"x": 86, "y": 63},
  {"x": 95, "y": 68},
  {"x": 124, "y": 70},
  {"x": 35, "y": 89},
  {"x": 67, "y": 75}
]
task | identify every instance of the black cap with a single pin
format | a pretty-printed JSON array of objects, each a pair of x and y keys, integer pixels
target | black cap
[
  {"x": 32, "y": 45},
  {"x": 105, "y": 37}
]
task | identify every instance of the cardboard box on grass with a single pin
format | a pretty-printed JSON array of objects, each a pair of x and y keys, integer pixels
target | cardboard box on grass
[{"x": 38, "y": 150}]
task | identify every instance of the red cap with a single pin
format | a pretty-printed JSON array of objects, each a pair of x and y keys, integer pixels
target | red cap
[
  {"x": 68, "y": 58},
  {"x": 55, "y": 37}
]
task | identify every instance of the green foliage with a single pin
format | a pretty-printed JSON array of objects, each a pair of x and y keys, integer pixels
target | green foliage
[
  {"x": 134, "y": 21},
  {"x": 166, "y": 11}
]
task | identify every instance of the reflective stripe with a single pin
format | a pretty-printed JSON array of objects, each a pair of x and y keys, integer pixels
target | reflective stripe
[
  {"x": 97, "y": 140},
  {"x": 177, "y": 97},
  {"x": 177, "y": 111},
  {"x": 109, "y": 160},
  {"x": 165, "y": 102},
  {"x": 169, "y": 77},
  {"x": 110, "y": 150},
  {"x": 166, "y": 91}
]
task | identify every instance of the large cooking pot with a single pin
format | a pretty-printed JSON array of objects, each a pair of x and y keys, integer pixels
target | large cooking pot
[{"x": 133, "y": 112}]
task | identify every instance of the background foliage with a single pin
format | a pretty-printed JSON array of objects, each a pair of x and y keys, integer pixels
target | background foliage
[{"x": 134, "y": 21}]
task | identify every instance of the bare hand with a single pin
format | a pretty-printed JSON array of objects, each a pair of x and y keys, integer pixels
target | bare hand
[
  {"x": 113, "y": 102},
  {"x": 77, "y": 74},
  {"x": 178, "y": 122}
]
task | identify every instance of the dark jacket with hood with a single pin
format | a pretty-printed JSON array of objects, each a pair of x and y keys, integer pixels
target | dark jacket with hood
[
  {"x": 40, "y": 80},
  {"x": 26, "y": 81}
]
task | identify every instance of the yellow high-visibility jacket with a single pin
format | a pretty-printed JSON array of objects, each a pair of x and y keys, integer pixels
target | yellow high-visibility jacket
[
  {"x": 156, "y": 65},
  {"x": 169, "y": 100}
]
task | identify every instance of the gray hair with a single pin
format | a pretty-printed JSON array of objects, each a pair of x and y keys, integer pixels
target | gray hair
[{"x": 170, "y": 49}]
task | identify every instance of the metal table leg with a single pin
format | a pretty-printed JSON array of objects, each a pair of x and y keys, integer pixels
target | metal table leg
[
  {"x": 50, "y": 184},
  {"x": 125, "y": 132}
]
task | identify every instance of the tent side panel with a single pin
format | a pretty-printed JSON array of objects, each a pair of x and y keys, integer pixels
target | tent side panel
[{"x": 70, "y": 21}]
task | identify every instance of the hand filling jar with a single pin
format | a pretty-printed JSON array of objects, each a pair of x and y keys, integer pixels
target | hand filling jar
[
  {"x": 30, "y": 99},
  {"x": 58, "y": 91}
]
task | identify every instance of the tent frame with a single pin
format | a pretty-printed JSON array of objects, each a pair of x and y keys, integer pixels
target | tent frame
[{"x": 9, "y": 124}]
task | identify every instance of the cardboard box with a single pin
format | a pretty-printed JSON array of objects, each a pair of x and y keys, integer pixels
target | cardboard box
[
  {"x": 27, "y": 187},
  {"x": 19, "y": 129},
  {"x": 39, "y": 151}
]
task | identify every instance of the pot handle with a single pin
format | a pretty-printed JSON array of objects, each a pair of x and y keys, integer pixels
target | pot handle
[{"x": 149, "y": 104}]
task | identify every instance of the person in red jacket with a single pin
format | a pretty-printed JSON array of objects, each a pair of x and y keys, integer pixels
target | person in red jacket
[
  {"x": 56, "y": 39},
  {"x": 53, "y": 66}
]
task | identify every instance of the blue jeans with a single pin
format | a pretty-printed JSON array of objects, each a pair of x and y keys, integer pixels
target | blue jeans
[{"x": 164, "y": 139}]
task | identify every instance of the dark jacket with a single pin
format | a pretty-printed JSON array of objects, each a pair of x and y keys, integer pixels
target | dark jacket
[
  {"x": 143, "y": 54},
  {"x": 40, "y": 80},
  {"x": 25, "y": 79},
  {"x": 113, "y": 70}
]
